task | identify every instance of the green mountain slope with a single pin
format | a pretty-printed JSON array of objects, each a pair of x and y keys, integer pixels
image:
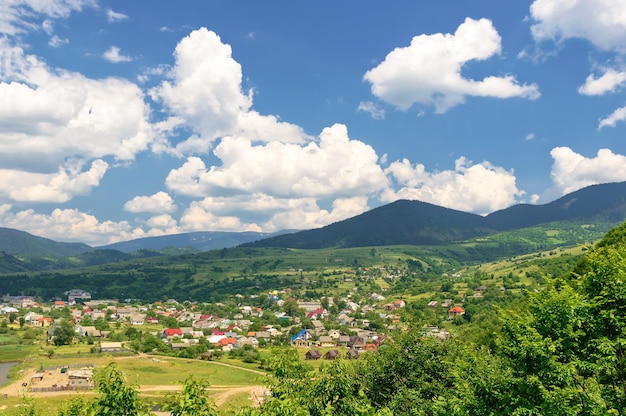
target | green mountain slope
[
  {"x": 20, "y": 242},
  {"x": 420, "y": 223}
]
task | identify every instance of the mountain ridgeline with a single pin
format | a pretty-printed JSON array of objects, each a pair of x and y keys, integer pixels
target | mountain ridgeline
[
  {"x": 421, "y": 223},
  {"x": 398, "y": 223}
]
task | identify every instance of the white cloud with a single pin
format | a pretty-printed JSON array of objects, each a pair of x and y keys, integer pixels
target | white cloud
[
  {"x": 601, "y": 22},
  {"x": 337, "y": 166},
  {"x": 572, "y": 171},
  {"x": 69, "y": 225},
  {"x": 375, "y": 112},
  {"x": 158, "y": 203},
  {"x": 529, "y": 136},
  {"x": 113, "y": 55},
  {"x": 19, "y": 16},
  {"x": 480, "y": 188},
  {"x": 163, "y": 224},
  {"x": 429, "y": 70},
  {"x": 610, "y": 81},
  {"x": 197, "y": 218},
  {"x": 50, "y": 114},
  {"x": 61, "y": 186},
  {"x": 56, "y": 41},
  {"x": 205, "y": 93},
  {"x": 115, "y": 16},
  {"x": 271, "y": 213},
  {"x": 615, "y": 117}
]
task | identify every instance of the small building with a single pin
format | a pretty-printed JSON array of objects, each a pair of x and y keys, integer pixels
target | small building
[
  {"x": 352, "y": 354},
  {"x": 332, "y": 355},
  {"x": 81, "y": 378},
  {"x": 313, "y": 355},
  {"x": 455, "y": 311},
  {"x": 37, "y": 377},
  {"x": 111, "y": 347}
]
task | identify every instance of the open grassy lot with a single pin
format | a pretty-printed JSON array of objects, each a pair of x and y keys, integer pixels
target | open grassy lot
[{"x": 155, "y": 377}]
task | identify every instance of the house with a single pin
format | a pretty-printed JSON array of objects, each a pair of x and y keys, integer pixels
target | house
[
  {"x": 325, "y": 341},
  {"x": 455, "y": 311},
  {"x": 171, "y": 333},
  {"x": 399, "y": 303},
  {"x": 357, "y": 342},
  {"x": 309, "y": 306},
  {"x": 137, "y": 318},
  {"x": 32, "y": 318},
  {"x": 88, "y": 331},
  {"x": 243, "y": 341},
  {"x": 111, "y": 347},
  {"x": 74, "y": 294},
  {"x": 313, "y": 355},
  {"x": 301, "y": 339},
  {"x": 343, "y": 319},
  {"x": 81, "y": 378},
  {"x": 332, "y": 355},
  {"x": 264, "y": 335},
  {"x": 318, "y": 313},
  {"x": 334, "y": 334},
  {"x": 58, "y": 304},
  {"x": 228, "y": 341},
  {"x": 343, "y": 340}
]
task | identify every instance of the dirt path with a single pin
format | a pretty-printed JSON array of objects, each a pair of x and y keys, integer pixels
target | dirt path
[{"x": 221, "y": 393}]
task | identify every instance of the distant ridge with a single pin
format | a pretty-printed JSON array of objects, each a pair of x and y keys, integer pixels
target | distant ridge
[
  {"x": 608, "y": 200},
  {"x": 419, "y": 223},
  {"x": 201, "y": 241},
  {"x": 401, "y": 222},
  {"x": 20, "y": 242}
]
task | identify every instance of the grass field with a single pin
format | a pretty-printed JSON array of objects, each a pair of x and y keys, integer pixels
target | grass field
[{"x": 155, "y": 376}]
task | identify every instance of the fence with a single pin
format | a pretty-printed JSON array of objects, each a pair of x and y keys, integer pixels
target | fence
[{"x": 58, "y": 388}]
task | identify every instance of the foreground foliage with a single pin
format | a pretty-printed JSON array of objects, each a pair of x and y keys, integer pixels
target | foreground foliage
[{"x": 561, "y": 352}]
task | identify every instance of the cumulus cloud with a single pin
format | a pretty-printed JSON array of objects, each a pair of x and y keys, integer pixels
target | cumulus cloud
[
  {"x": 610, "y": 81},
  {"x": 113, "y": 55},
  {"x": 50, "y": 114},
  {"x": 601, "y": 22},
  {"x": 428, "y": 71},
  {"x": 113, "y": 17},
  {"x": 158, "y": 203},
  {"x": 336, "y": 166},
  {"x": 205, "y": 93},
  {"x": 69, "y": 225},
  {"x": 374, "y": 111},
  {"x": 480, "y": 188},
  {"x": 267, "y": 213},
  {"x": 61, "y": 186},
  {"x": 572, "y": 171}
]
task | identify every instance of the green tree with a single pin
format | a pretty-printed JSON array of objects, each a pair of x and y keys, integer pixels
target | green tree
[
  {"x": 193, "y": 400},
  {"x": 117, "y": 396},
  {"x": 64, "y": 333}
]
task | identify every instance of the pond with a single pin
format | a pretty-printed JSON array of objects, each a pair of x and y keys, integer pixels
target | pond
[{"x": 4, "y": 371}]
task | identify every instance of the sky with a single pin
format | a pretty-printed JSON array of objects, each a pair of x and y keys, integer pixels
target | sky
[{"x": 129, "y": 119}]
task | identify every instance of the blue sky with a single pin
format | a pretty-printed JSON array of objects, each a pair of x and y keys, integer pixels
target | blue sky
[{"x": 128, "y": 119}]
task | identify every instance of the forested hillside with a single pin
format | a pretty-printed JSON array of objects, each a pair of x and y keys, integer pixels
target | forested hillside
[{"x": 560, "y": 351}]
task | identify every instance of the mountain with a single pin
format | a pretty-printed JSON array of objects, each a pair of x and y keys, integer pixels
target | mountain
[
  {"x": 401, "y": 222},
  {"x": 606, "y": 200},
  {"x": 419, "y": 223},
  {"x": 201, "y": 241},
  {"x": 20, "y": 242}
]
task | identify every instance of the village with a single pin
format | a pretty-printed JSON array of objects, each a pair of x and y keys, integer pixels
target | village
[{"x": 326, "y": 329}]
